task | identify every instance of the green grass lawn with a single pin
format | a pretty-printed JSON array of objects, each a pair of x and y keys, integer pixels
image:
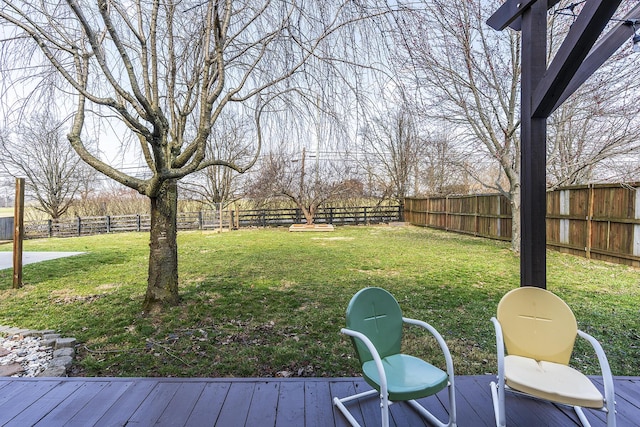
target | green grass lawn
[{"x": 261, "y": 302}]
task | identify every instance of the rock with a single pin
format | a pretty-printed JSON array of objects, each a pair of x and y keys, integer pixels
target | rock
[
  {"x": 65, "y": 342},
  {"x": 11, "y": 369},
  {"x": 50, "y": 336},
  {"x": 65, "y": 361},
  {"x": 54, "y": 371},
  {"x": 48, "y": 342},
  {"x": 65, "y": 351}
]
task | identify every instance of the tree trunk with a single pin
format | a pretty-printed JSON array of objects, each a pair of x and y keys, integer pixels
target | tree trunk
[
  {"x": 308, "y": 214},
  {"x": 162, "y": 286}
]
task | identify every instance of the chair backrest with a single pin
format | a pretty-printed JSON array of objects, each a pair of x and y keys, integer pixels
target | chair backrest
[
  {"x": 375, "y": 313},
  {"x": 537, "y": 324}
]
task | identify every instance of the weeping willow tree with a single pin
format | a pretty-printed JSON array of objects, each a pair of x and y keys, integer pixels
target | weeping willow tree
[{"x": 164, "y": 72}]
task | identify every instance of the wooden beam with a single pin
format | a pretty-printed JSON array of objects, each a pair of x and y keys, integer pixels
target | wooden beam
[
  {"x": 510, "y": 14},
  {"x": 602, "y": 51},
  {"x": 584, "y": 32}
]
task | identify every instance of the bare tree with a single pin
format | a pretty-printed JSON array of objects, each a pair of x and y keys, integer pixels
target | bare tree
[
  {"x": 445, "y": 169},
  {"x": 582, "y": 136},
  {"x": 308, "y": 184},
  {"x": 391, "y": 153},
  {"x": 231, "y": 140},
  {"x": 39, "y": 151},
  {"x": 166, "y": 71},
  {"x": 467, "y": 76},
  {"x": 599, "y": 122}
]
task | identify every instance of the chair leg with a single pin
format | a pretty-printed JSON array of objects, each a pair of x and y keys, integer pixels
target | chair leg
[
  {"x": 611, "y": 415},
  {"x": 583, "y": 419},
  {"x": 429, "y": 416},
  {"x": 384, "y": 410},
  {"x": 339, "y": 403},
  {"x": 497, "y": 395}
]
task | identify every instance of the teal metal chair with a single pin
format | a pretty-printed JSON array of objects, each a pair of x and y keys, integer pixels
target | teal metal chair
[{"x": 374, "y": 323}]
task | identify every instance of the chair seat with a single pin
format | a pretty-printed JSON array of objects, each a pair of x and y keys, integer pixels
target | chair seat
[
  {"x": 551, "y": 381},
  {"x": 407, "y": 377}
]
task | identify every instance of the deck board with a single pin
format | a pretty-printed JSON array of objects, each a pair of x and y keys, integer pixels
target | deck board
[
  {"x": 100, "y": 404},
  {"x": 247, "y": 402},
  {"x": 291, "y": 404},
  {"x": 127, "y": 403},
  {"x": 317, "y": 399},
  {"x": 209, "y": 404},
  {"x": 236, "y": 406},
  {"x": 265, "y": 397}
]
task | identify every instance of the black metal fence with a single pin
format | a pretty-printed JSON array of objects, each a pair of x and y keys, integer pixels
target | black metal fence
[{"x": 210, "y": 220}]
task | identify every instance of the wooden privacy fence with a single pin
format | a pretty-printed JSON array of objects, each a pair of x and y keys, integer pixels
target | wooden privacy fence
[
  {"x": 208, "y": 220},
  {"x": 599, "y": 221},
  {"x": 484, "y": 215}
]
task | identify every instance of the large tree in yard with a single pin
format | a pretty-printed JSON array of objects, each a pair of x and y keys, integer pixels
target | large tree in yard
[
  {"x": 165, "y": 71},
  {"x": 467, "y": 76}
]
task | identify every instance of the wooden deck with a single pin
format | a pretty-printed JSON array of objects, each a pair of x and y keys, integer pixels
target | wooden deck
[{"x": 230, "y": 402}]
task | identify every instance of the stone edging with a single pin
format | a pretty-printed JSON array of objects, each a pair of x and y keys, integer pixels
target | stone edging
[{"x": 63, "y": 349}]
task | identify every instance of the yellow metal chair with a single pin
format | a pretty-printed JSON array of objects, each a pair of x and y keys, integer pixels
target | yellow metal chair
[
  {"x": 374, "y": 323},
  {"x": 538, "y": 330}
]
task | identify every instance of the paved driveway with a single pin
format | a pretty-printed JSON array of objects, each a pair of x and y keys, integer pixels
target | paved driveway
[{"x": 6, "y": 258}]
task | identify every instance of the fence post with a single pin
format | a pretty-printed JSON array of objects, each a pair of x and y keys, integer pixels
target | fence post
[
  {"x": 50, "y": 227},
  {"x": 366, "y": 221},
  {"x": 79, "y": 226},
  {"x": 477, "y": 218},
  {"x": 331, "y": 215},
  {"x": 138, "y": 222},
  {"x": 446, "y": 213},
  {"x": 589, "y": 222},
  {"x": 18, "y": 233},
  {"x": 199, "y": 220},
  {"x": 108, "y": 224}
]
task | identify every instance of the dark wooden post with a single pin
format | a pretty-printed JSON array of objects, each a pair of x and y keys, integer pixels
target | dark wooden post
[
  {"x": 18, "y": 233},
  {"x": 533, "y": 131}
]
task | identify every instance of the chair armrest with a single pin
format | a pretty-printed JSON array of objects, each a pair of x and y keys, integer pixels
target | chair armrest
[
  {"x": 607, "y": 377},
  {"x": 441, "y": 342},
  {"x": 374, "y": 352},
  {"x": 499, "y": 349}
]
